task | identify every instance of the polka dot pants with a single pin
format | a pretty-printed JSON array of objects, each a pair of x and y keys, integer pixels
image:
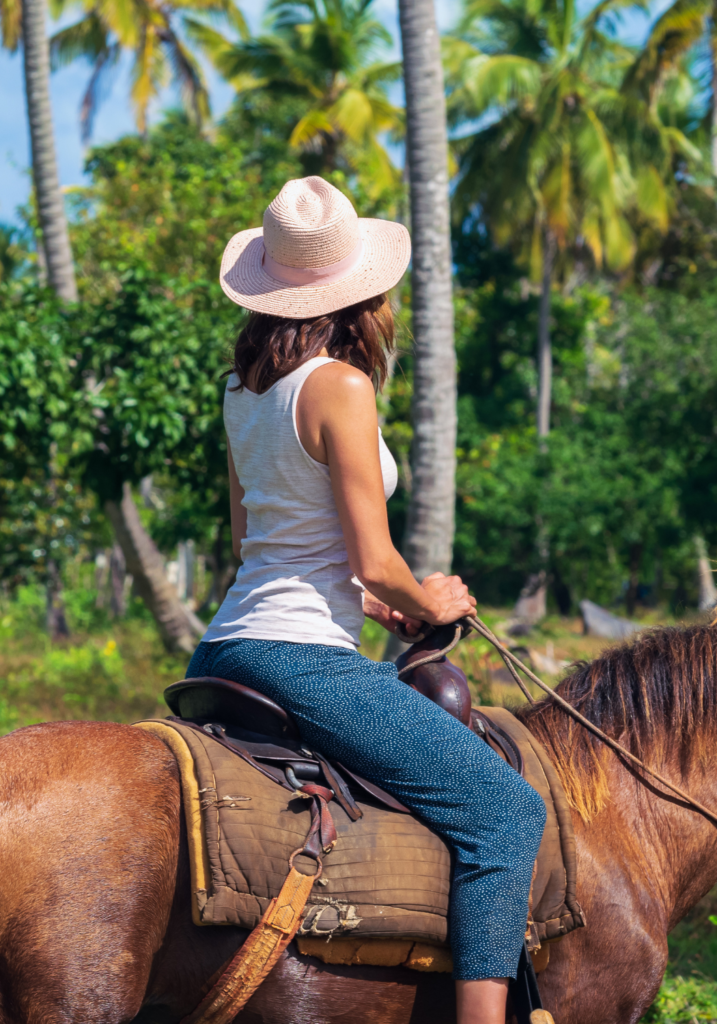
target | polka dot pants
[{"x": 359, "y": 712}]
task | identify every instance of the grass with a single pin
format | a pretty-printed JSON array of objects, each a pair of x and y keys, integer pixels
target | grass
[
  {"x": 117, "y": 670},
  {"x": 107, "y": 671},
  {"x": 688, "y": 993}
]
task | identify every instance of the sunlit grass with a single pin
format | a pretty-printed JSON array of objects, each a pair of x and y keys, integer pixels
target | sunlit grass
[
  {"x": 110, "y": 671},
  {"x": 689, "y": 990}
]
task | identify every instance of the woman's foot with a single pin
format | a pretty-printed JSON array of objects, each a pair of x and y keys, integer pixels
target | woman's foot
[{"x": 482, "y": 1002}]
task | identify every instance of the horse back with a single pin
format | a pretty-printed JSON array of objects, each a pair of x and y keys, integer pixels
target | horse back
[{"x": 89, "y": 838}]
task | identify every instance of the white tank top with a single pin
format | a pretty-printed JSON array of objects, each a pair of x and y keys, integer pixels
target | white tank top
[{"x": 294, "y": 582}]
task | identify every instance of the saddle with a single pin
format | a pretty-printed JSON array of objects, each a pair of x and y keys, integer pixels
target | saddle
[
  {"x": 265, "y": 736},
  {"x": 216, "y": 714}
]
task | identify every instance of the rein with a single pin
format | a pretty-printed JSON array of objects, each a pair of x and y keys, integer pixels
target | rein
[{"x": 513, "y": 663}]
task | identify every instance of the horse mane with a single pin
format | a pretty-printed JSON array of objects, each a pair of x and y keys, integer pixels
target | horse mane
[{"x": 655, "y": 694}]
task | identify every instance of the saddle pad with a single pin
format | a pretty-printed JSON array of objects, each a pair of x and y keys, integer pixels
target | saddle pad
[{"x": 387, "y": 876}]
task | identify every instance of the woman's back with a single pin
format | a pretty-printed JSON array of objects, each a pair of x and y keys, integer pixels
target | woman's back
[{"x": 295, "y": 582}]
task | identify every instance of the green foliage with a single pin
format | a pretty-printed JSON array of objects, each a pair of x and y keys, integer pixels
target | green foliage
[
  {"x": 44, "y": 511},
  {"x": 689, "y": 989},
  {"x": 684, "y": 1000},
  {"x": 627, "y": 476},
  {"x": 14, "y": 256},
  {"x": 323, "y": 56},
  {"x": 571, "y": 144},
  {"x": 685, "y": 258},
  {"x": 108, "y": 393},
  {"x": 111, "y": 671},
  {"x": 152, "y": 358},
  {"x": 171, "y": 200}
]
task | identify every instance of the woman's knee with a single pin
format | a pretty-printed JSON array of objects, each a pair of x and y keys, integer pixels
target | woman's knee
[
  {"x": 532, "y": 805},
  {"x": 519, "y": 810}
]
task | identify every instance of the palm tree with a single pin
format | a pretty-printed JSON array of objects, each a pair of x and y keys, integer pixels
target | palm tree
[
  {"x": 568, "y": 157},
  {"x": 152, "y": 31},
  {"x": 685, "y": 26},
  {"x": 24, "y": 22},
  {"x": 428, "y": 544},
  {"x": 324, "y": 54},
  {"x": 567, "y": 152}
]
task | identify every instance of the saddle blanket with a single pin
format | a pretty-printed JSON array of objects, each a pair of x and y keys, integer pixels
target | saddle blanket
[{"x": 387, "y": 877}]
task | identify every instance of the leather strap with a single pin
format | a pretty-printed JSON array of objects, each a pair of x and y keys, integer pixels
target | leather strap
[
  {"x": 280, "y": 923},
  {"x": 342, "y": 793},
  {"x": 218, "y": 733},
  {"x": 248, "y": 968},
  {"x": 322, "y": 834}
]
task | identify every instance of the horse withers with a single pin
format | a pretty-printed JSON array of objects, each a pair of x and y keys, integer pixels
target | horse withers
[{"x": 95, "y": 916}]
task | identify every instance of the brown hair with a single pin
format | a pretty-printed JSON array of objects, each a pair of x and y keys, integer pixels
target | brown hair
[{"x": 274, "y": 346}]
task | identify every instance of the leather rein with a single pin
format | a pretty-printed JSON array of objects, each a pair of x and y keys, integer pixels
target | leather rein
[{"x": 513, "y": 663}]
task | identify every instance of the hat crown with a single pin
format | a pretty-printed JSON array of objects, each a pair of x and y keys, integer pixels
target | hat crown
[{"x": 310, "y": 224}]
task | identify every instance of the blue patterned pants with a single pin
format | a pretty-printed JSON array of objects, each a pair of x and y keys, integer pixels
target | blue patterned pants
[{"x": 358, "y": 712}]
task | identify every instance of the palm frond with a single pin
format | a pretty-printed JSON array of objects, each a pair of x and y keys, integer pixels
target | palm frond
[
  {"x": 11, "y": 24},
  {"x": 126, "y": 19},
  {"x": 381, "y": 74},
  {"x": 91, "y": 97},
  {"x": 86, "y": 38},
  {"x": 188, "y": 75},
  {"x": 605, "y": 9},
  {"x": 671, "y": 36},
  {"x": 309, "y": 129},
  {"x": 499, "y": 81},
  {"x": 149, "y": 74},
  {"x": 680, "y": 144},
  {"x": 619, "y": 242},
  {"x": 591, "y": 229},
  {"x": 651, "y": 197}
]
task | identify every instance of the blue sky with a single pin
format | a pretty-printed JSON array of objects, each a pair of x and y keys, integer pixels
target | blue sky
[{"x": 115, "y": 115}]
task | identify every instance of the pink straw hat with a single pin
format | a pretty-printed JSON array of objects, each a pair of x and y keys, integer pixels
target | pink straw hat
[{"x": 313, "y": 255}]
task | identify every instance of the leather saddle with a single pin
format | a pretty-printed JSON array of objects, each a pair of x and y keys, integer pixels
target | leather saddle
[{"x": 264, "y": 734}]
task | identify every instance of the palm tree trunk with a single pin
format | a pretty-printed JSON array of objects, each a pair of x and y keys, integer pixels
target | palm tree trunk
[
  {"x": 635, "y": 558},
  {"x": 428, "y": 544},
  {"x": 545, "y": 354},
  {"x": 531, "y": 605},
  {"x": 55, "y": 609},
  {"x": 117, "y": 574},
  {"x": 706, "y": 579},
  {"x": 55, "y": 236},
  {"x": 144, "y": 562}
]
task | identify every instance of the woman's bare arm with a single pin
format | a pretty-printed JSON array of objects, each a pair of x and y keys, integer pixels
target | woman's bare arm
[
  {"x": 338, "y": 425},
  {"x": 238, "y": 512}
]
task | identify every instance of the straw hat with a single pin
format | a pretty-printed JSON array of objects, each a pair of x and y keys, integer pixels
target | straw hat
[{"x": 313, "y": 254}]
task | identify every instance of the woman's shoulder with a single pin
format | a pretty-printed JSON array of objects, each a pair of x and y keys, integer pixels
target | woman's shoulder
[
  {"x": 336, "y": 395},
  {"x": 340, "y": 380}
]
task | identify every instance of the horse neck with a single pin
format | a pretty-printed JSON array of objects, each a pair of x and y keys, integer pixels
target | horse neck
[{"x": 669, "y": 848}]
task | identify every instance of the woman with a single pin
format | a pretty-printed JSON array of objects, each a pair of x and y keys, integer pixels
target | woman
[{"x": 309, "y": 478}]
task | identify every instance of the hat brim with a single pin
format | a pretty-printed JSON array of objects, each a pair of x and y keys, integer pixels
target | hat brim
[{"x": 386, "y": 254}]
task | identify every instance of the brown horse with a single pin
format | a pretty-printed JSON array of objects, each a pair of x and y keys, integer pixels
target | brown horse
[{"x": 95, "y": 924}]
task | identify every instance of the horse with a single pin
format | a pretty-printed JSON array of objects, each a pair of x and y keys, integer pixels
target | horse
[{"x": 95, "y": 918}]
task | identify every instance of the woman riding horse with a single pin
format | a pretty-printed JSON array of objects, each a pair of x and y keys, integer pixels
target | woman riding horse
[{"x": 309, "y": 478}]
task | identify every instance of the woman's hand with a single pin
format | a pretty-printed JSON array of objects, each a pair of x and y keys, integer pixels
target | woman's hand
[
  {"x": 388, "y": 617},
  {"x": 450, "y": 598}
]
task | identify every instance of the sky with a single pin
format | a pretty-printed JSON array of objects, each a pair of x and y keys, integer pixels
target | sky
[{"x": 115, "y": 116}]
